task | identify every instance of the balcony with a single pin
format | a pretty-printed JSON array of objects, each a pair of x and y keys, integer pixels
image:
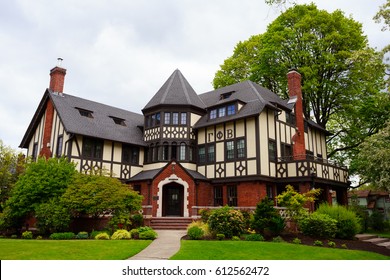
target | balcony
[{"x": 310, "y": 167}]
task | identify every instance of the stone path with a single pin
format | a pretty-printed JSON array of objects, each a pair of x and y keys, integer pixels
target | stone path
[
  {"x": 162, "y": 248},
  {"x": 384, "y": 242}
]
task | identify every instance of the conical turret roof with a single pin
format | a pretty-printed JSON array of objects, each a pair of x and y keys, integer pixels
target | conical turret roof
[{"x": 175, "y": 91}]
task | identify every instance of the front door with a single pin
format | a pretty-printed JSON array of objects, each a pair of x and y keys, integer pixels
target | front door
[{"x": 173, "y": 200}]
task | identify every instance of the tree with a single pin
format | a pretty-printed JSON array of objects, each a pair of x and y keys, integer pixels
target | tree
[
  {"x": 42, "y": 181},
  {"x": 11, "y": 166},
  {"x": 99, "y": 195},
  {"x": 339, "y": 70},
  {"x": 373, "y": 161}
]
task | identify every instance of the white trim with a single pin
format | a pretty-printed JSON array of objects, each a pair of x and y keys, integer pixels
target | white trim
[{"x": 172, "y": 179}]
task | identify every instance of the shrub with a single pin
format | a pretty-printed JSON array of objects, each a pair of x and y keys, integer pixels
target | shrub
[
  {"x": 148, "y": 235},
  {"x": 348, "y": 224},
  {"x": 137, "y": 220},
  {"x": 296, "y": 240},
  {"x": 318, "y": 225},
  {"x": 220, "y": 236},
  {"x": 120, "y": 234},
  {"x": 134, "y": 233},
  {"x": 236, "y": 238},
  {"x": 82, "y": 235},
  {"x": 376, "y": 221},
  {"x": 102, "y": 236},
  {"x": 141, "y": 229},
  {"x": 277, "y": 239},
  {"x": 14, "y": 236},
  {"x": 94, "y": 233},
  {"x": 264, "y": 215},
  {"x": 226, "y": 221},
  {"x": 331, "y": 244},
  {"x": 27, "y": 235},
  {"x": 62, "y": 235},
  {"x": 318, "y": 243},
  {"x": 39, "y": 237},
  {"x": 254, "y": 237},
  {"x": 194, "y": 231},
  {"x": 204, "y": 214},
  {"x": 344, "y": 246}
]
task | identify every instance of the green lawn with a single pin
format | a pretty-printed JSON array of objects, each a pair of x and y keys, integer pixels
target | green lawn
[
  {"x": 19, "y": 249},
  {"x": 246, "y": 250}
]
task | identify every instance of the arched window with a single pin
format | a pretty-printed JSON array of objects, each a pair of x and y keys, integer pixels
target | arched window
[
  {"x": 165, "y": 152},
  {"x": 174, "y": 151}
]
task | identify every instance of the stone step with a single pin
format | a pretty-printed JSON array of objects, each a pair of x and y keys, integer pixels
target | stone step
[
  {"x": 365, "y": 236},
  {"x": 385, "y": 244},
  {"x": 376, "y": 240},
  {"x": 170, "y": 223}
]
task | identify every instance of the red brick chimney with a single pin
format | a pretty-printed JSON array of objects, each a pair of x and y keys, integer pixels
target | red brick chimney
[
  {"x": 57, "y": 78},
  {"x": 295, "y": 92}
]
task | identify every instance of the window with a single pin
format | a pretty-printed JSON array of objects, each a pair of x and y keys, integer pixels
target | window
[
  {"x": 85, "y": 113},
  {"x": 183, "y": 119},
  {"x": 158, "y": 118},
  {"x": 270, "y": 193},
  {"x": 210, "y": 153},
  {"x": 202, "y": 154},
  {"x": 182, "y": 151},
  {"x": 167, "y": 118},
  {"x": 130, "y": 154},
  {"x": 226, "y": 95},
  {"x": 35, "y": 151},
  {"x": 60, "y": 140},
  {"x": 241, "y": 148},
  {"x": 118, "y": 121},
  {"x": 218, "y": 194},
  {"x": 190, "y": 153},
  {"x": 92, "y": 148},
  {"x": 286, "y": 151},
  {"x": 272, "y": 150},
  {"x": 147, "y": 121},
  {"x": 155, "y": 153},
  {"x": 290, "y": 118},
  {"x": 222, "y": 112},
  {"x": 232, "y": 195},
  {"x": 231, "y": 110},
  {"x": 175, "y": 118},
  {"x": 174, "y": 151},
  {"x": 137, "y": 188},
  {"x": 165, "y": 151},
  {"x": 213, "y": 114},
  {"x": 229, "y": 150}
]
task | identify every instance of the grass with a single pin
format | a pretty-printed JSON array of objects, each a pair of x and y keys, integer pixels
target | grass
[
  {"x": 247, "y": 250},
  {"x": 19, "y": 249}
]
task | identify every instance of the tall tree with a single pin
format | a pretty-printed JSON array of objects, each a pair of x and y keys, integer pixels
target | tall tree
[{"x": 330, "y": 51}]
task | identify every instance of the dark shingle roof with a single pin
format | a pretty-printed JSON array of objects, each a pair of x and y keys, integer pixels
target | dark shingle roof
[
  {"x": 175, "y": 91},
  {"x": 102, "y": 124},
  {"x": 253, "y": 97},
  {"x": 151, "y": 174}
]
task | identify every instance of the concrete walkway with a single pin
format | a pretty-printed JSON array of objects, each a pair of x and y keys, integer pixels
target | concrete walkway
[{"x": 162, "y": 248}]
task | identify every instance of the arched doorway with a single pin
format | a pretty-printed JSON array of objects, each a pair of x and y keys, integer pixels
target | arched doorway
[{"x": 173, "y": 200}]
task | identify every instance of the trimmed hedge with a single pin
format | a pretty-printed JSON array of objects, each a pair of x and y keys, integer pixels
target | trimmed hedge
[
  {"x": 62, "y": 235},
  {"x": 318, "y": 225}
]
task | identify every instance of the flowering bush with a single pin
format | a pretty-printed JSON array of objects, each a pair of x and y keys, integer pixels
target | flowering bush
[
  {"x": 102, "y": 236},
  {"x": 226, "y": 221},
  {"x": 121, "y": 234}
]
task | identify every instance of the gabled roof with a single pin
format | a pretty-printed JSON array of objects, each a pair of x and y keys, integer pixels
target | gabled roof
[
  {"x": 101, "y": 125},
  {"x": 253, "y": 97},
  {"x": 175, "y": 91}
]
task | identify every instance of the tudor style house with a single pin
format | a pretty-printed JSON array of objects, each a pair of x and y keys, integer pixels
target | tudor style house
[{"x": 230, "y": 146}]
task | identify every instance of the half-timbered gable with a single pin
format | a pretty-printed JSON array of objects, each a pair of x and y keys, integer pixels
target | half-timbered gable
[{"x": 230, "y": 146}]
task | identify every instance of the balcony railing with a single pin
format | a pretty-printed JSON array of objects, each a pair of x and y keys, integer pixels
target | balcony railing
[{"x": 310, "y": 166}]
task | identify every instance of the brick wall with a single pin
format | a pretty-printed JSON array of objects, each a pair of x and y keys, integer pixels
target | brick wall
[{"x": 46, "y": 151}]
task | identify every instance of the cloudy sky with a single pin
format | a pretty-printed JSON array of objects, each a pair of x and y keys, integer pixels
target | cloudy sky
[{"x": 120, "y": 52}]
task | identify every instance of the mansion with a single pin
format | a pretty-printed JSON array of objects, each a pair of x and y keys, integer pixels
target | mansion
[{"x": 188, "y": 151}]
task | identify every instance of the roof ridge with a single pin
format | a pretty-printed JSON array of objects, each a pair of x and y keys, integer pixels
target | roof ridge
[
  {"x": 168, "y": 86},
  {"x": 257, "y": 92},
  {"x": 183, "y": 86}
]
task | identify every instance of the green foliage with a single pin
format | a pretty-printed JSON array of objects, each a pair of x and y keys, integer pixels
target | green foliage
[
  {"x": 227, "y": 221},
  {"x": 27, "y": 235},
  {"x": 236, "y": 238},
  {"x": 220, "y": 236},
  {"x": 318, "y": 243},
  {"x": 52, "y": 216},
  {"x": 295, "y": 201},
  {"x": 137, "y": 220},
  {"x": 296, "y": 240},
  {"x": 148, "y": 234},
  {"x": 195, "y": 232},
  {"x": 204, "y": 214},
  {"x": 42, "y": 181},
  {"x": 82, "y": 235},
  {"x": 376, "y": 221},
  {"x": 344, "y": 246},
  {"x": 348, "y": 224},
  {"x": 267, "y": 217},
  {"x": 120, "y": 234},
  {"x": 318, "y": 225},
  {"x": 62, "y": 235},
  {"x": 134, "y": 233},
  {"x": 331, "y": 244},
  {"x": 361, "y": 212},
  {"x": 98, "y": 195},
  {"x": 39, "y": 237},
  {"x": 254, "y": 237},
  {"x": 102, "y": 236},
  {"x": 278, "y": 239},
  {"x": 94, "y": 233}
]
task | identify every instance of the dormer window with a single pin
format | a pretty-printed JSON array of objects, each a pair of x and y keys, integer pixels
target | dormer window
[
  {"x": 118, "y": 121},
  {"x": 226, "y": 95},
  {"x": 231, "y": 110},
  {"x": 85, "y": 113}
]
